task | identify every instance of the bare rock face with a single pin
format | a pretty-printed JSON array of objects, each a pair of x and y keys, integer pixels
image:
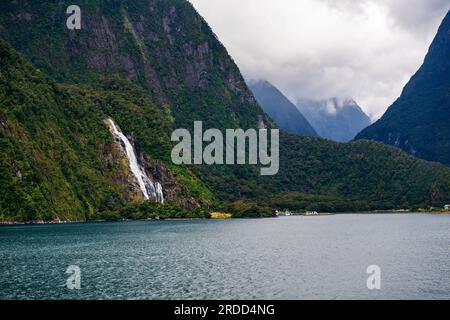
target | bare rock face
[
  {"x": 3, "y": 121},
  {"x": 158, "y": 171},
  {"x": 173, "y": 191},
  {"x": 163, "y": 45}
]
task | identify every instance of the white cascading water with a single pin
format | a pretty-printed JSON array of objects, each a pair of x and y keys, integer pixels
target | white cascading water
[{"x": 148, "y": 187}]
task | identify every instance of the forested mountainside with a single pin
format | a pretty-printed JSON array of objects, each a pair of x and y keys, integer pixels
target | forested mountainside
[
  {"x": 154, "y": 66},
  {"x": 280, "y": 109},
  {"x": 58, "y": 158},
  {"x": 163, "y": 45},
  {"x": 418, "y": 122},
  {"x": 322, "y": 175}
]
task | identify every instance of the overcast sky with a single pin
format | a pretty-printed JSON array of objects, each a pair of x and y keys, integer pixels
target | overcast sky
[{"x": 363, "y": 49}]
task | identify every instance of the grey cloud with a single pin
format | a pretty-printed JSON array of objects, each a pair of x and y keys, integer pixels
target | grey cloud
[
  {"x": 364, "y": 49},
  {"x": 417, "y": 15}
]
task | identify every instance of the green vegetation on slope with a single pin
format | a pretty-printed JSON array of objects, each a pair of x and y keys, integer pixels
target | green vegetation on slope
[
  {"x": 58, "y": 159},
  {"x": 318, "y": 174},
  {"x": 165, "y": 46},
  {"x": 154, "y": 66},
  {"x": 418, "y": 122}
]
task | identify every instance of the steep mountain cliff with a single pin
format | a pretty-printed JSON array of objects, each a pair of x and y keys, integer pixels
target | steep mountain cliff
[
  {"x": 418, "y": 122},
  {"x": 280, "y": 109},
  {"x": 152, "y": 66},
  {"x": 335, "y": 119},
  {"x": 165, "y": 46},
  {"x": 58, "y": 159}
]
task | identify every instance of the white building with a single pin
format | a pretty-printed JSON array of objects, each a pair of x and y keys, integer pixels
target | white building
[{"x": 447, "y": 207}]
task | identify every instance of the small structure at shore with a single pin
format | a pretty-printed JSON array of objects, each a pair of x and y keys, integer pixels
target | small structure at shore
[
  {"x": 285, "y": 213},
  {"x": 221, "y": 215},
  {"x": 447, "y": 207}
]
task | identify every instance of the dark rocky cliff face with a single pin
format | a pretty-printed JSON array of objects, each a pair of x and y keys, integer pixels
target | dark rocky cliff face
[
  {"x": 163, "y": 45},
  {"x": 418, "y": 122}
]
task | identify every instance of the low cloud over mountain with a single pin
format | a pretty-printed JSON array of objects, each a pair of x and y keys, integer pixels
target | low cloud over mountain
[{"x": 365, "y": 49}]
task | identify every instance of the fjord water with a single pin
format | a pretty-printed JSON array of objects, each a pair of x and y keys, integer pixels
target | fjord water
[{"x": 282, "y": 258}]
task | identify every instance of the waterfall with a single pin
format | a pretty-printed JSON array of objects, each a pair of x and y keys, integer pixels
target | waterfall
[{"x": 149, "y": 188}]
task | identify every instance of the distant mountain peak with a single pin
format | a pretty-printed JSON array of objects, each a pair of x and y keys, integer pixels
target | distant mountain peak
[
  {"x": 336, "y": 118},
  {"x": 260, "y": 82},
  {"x": 280, "y": 109}
]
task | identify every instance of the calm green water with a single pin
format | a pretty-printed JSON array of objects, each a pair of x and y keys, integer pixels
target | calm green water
[{"x": 284, "y": 258}]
